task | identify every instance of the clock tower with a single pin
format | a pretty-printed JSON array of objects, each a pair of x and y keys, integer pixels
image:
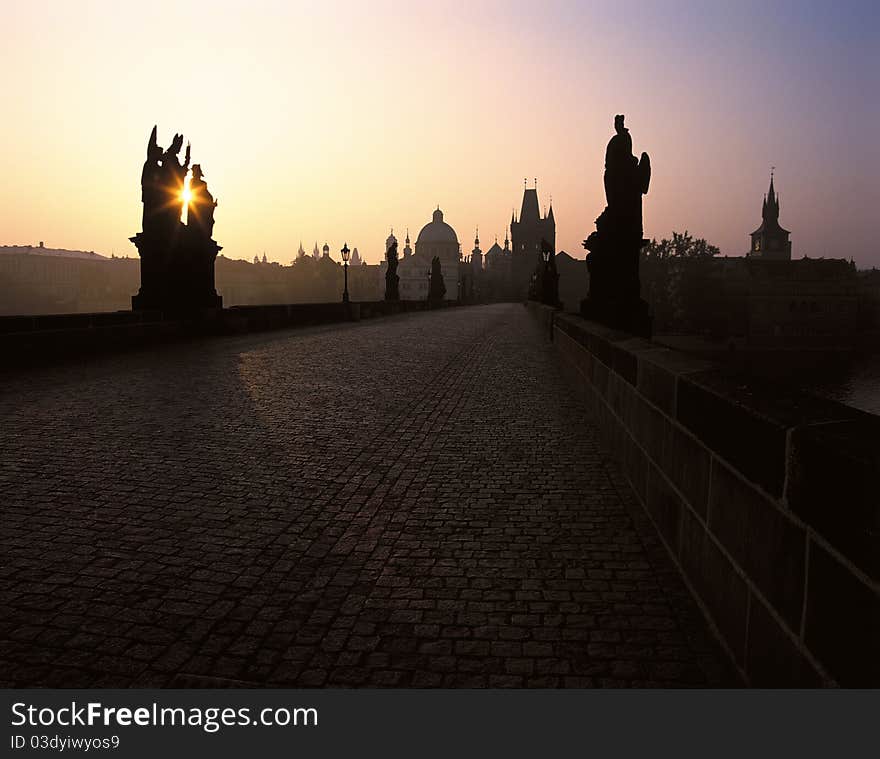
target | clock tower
[{"x": 770, "y": 240}]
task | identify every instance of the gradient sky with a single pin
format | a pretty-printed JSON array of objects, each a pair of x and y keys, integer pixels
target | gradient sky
[{"x": 335, "y": 120}]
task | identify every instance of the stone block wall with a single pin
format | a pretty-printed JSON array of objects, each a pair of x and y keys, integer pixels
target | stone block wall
[
  {"x": 768, "y": 501},
  {"x": 44, "y": 339}
]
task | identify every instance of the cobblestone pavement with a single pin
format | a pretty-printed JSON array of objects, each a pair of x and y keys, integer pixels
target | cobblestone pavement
[{"x": 411, "y": 501}]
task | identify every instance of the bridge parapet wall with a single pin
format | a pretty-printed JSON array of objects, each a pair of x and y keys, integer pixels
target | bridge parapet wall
[
  {"x": 767, "y": 500},
  {"x": 47, "y": 338}
]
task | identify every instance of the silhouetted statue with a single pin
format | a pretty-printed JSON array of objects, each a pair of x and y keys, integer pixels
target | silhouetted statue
[
  {"x": 391, "y": 279},
  {"x": 549, "y": 276},
  {"x": 437, "y": 290},
  {"x": 177, "y": 260},
  {"x": 613, "y": 259},
  {"x": 626, "y": 180},
  {"x": 151, "y": 183},
  {"x": 172, "y": 177},
  {"x": 533, "y": 292},
  {"x": 200, "y": 213}
]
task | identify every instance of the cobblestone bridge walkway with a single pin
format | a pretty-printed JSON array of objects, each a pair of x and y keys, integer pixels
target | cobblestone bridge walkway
[{"x": 413, "y": 501}]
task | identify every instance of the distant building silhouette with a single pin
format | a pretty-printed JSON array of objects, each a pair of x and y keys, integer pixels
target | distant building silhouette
[
  {"x": 770, "y": 240},
  {"x": 526, "y": 234},
  {"x": 438, "y": 239},
  {"x": 498, "y": 276},
  {"x": 477, "y": 254}
]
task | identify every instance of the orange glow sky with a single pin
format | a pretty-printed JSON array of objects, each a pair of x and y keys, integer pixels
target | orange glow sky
[{"x": 335, "y": 121}]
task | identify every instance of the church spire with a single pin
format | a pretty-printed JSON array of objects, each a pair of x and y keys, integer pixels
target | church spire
[{"x": 770, "y": 211}]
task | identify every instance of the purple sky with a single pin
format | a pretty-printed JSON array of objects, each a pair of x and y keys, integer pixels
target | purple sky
[{"x": 335, "y": 121}]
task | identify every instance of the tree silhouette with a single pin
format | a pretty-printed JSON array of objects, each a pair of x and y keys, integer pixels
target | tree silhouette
[
  {"x": 676, "y": 281},
  {"x": 682, "y": 246}
]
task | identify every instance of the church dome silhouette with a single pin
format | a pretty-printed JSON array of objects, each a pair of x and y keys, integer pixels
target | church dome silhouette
[{"x": 437, "y": 231}]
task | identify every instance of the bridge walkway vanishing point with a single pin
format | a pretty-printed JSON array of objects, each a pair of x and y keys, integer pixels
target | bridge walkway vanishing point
[{"x": 414, "y": 501}]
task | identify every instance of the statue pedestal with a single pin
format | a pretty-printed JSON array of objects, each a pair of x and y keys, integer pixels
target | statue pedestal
[
  {"x": 614, "y": 286},
  {"x": 626, "y": 315},
  {"x": 177, "y": 271}
]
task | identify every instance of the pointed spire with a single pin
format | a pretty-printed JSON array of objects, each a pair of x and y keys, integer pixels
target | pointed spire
[
  {"x": 770, "y": 209},
  {"x": 477, "y": 237}
]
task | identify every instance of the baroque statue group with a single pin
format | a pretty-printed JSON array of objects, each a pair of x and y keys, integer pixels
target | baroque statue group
[{"x": 177, "y": 258}]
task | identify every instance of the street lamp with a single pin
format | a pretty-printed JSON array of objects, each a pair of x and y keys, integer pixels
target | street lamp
[
  {"x": 549, "y": 282},
  {"x": 345, "y": 254}
]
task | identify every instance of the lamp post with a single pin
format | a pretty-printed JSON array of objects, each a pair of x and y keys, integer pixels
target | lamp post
[
  {"x": 345, "y": 254},
  {"x": 550, "y": 294}
]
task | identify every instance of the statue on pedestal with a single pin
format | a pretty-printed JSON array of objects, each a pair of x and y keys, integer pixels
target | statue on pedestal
[
  {"x": 391, "y": 279},
  {"x": 200, "y": 213},
  {"x": 437, "y": 289},
  {"x": 613, "y": 258},
  {"x": 151, "y": 183},
  {"x": 549, "y": 277},
  {"x": 177, "y": 259}
]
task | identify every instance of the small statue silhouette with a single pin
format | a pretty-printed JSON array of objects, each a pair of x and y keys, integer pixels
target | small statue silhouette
[
  {"x": 437, "y": 290},
  {"x": 151, "y": 184},
  {"x": 200, "y": 213},
  {"x": 391, "y": 279},
  {"x": 172, "y": 177}
]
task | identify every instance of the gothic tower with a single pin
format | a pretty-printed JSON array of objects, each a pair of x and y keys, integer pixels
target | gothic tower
[
  {"x": 770, "y": 240},
  {"x": 527, "y": 233}
]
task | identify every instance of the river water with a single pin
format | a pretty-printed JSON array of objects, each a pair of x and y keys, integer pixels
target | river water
[{"x": 856, "y": 383}]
